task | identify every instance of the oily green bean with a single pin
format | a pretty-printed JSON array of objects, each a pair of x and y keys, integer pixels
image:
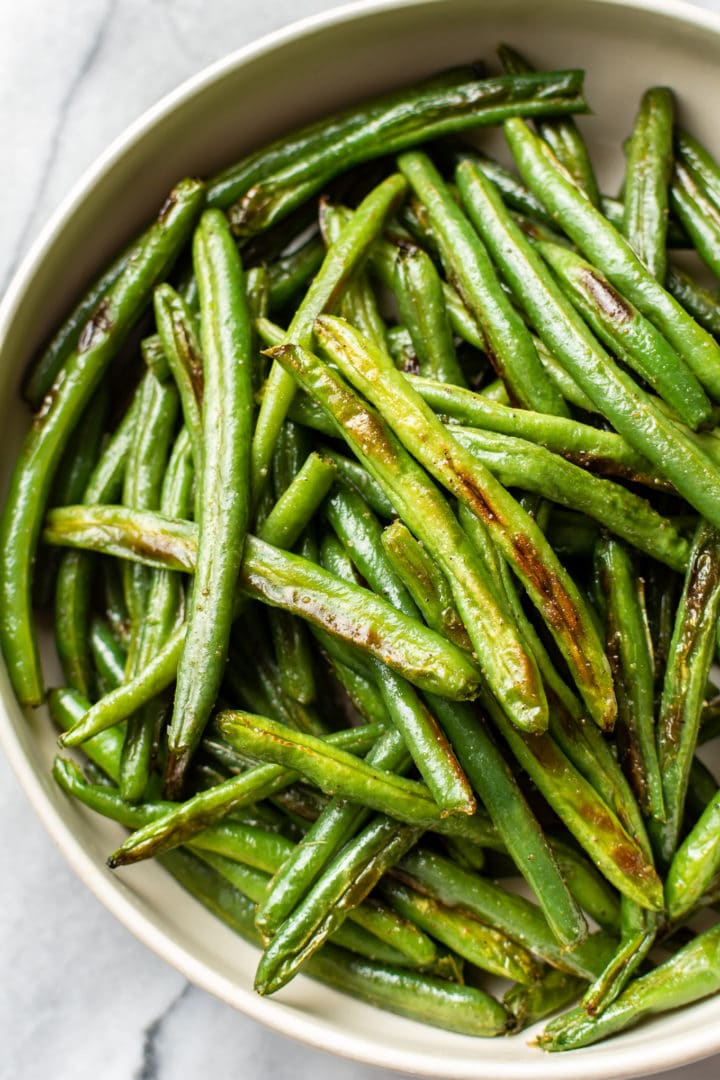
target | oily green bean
[
  {"x": 553, "y": 991},
  {"x": 699, "y": 214},
  {"x": 361, "y": 533},
  {"x": 469, "y": 268},
  {"x": 341, "y": 260},
  {"x": 426, "y": 583},
  {"x": 484, "y": 946},
  {"x": 604, "y": 246},
  {"x": 75, "y": 574},
  {"x": 591, "y": 891},
  {"x": 421, "y": 304},
  {"x": 647, "y": 177},
  {"x": 164, "y": 612},
  {"x": 517, "y": 463},
  {"x": 628, "y": 334},
  {"x": 299, "y": 501},
  {"x": 691, "y": 653},
  {"x": 358, "y": 303},
  {"x": 513, "y": 915},
  {"x": 630, "y": 650},
  {"x": 142, "y": 483},
  {"x": 179, "y": 335},
  {"x": 338, "y": 773},
  {"x": 67, "y": 707},
  {"x": 280, "y": 580},
  {"x": 547, "y": 583},
  {"x": 41, "y": 376},
  {"x": 227, "y": 420},
  {"x": 595, "y": 827},
  {"x": 32, "y": 478},
  {"x": 428, "y": 514},
  {"x": 632, "y": 413},
  {"x": 595, "y": 449},
  {"x": 639, "y": 930},
  {"x": 212, "y": 805},
  {"x": 420, "y": 997},
  {"x": 695, "y": 863},
  {"x": 691, "y": 974},
  {"x": 388, "y": 127},
  {"x": 108, "y": 657},
  {"x": 700, "y": 302},
  {"x": 355, "y": 476},
  {"x": 343, "y": 885},
  {"x": 561, "y": 133}
]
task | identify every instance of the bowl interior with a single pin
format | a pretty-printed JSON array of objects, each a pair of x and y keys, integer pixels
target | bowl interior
[{"x": 241, "y": 102}]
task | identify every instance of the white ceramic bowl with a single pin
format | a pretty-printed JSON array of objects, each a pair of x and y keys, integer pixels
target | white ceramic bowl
[{"x": 242, "y": 101}]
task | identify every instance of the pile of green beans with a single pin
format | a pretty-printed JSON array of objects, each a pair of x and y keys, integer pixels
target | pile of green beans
[{"x": 382, "y": 539}]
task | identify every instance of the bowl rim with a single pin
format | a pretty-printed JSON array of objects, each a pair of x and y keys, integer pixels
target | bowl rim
[{"x": 305, "y": 1028}]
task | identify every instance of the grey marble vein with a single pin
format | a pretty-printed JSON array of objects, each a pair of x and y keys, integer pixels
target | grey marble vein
[{"x": 80, "y": 998}]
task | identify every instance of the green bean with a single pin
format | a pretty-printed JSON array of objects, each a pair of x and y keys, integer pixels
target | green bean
[
  {"x": 355, "y": 476},
  {"x": 178, "y": 332},
  {"x": 298, "y": 503},
  {"x": 361, "y": 534},
  {"x": 421, "y": 303},
  {"x": 153, "y": 354},
  {"x": 588, "y": 887},
  {"x": 467, "y": 265},
  {"x": 547, "y": 583},
  {"x": 385, "y": 127},
  {"x": 699, "y": 163},
  {"x": 691, "y": 974},
  {"x": 41, "y": 376},
  {"x": 348, "y": 879},
  {"x": 74, "y": 580},
  {"x": 288, "y": 274},
  {"x": 630, "y": 650},
  {"x": 431, "y": 519},
  {"x": 280, "y": 580},
  {"x": 227, "y": 418},
  {"x": 341, "y": 260},
  {"x": 632, "y": 413},
  {"x": 108, "y": 657},
  {"x": 165, "y": 610},
  {"x": 647, "y": 176},
  {"x": 113, "y": 600},
  {"x": 695, "y": 863},
  {"x": 338, "y": 773},
  {"x": 699, "y": 302},
  {"x": 67, "y": 707},
  {"x": 691, "y": 654},
  {"x": 484, "y": 946},
  {"x": 420, "y": 997},
  {"x": 639, "y": 930},
  {"x": 699, "y": 214},
  {"x": 517, "y": 463},
  {"x": 551, "y": 992},
  {"x": 32, "y": 478},
  {"x": 426, "y": 583},
  {"x": 358, "y": 303},
  {"x": 610, "y": 252},
  {"x": 400, "y": 346},
  {"x": 208, "y": 807},
  {"x": 628, "y": 335},
  {"x": 595, "y": 827},
  {"x": 352, "y": 936},
  {"x": 142, "y": 482},
  {"x": 612, "y": 318},
  {"x": 561, "y": 134},
  {"x": 509, "y": 913},
  {"x": 594, "y": 448}
]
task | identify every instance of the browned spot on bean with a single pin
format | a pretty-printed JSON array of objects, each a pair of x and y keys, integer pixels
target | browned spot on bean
[
  {"x": 96, "y": 327},
  {"x": 167, "y": 206},
  {"x": 606, "y": 297}
]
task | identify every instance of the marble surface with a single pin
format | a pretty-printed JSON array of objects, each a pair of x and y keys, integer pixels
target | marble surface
[{"x": 79, "y": 996}]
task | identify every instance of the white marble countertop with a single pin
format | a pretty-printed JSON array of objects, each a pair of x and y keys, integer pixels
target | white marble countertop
[{"x": 73, "y": 74}]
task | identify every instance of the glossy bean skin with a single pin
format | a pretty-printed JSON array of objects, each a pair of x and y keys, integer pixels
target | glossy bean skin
[
  {"x": 609, "y": 251},
  {"x": 227, "y": 425},
  {"x": 647, "y": 178},
  {"x": 99, "y": 342}
]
